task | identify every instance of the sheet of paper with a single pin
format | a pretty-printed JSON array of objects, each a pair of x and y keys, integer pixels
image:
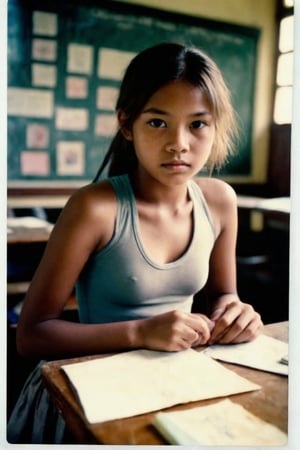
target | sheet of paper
[
  {"x": 28, "y": 222},
  {"x": 80, "y": 58},
  {"x": 112, "y": 63},
  {"x": 30, "y": 102},
  {"x": 107, "y": 98},
  {"x": 281, "y": 204},
  {"x": 44, "y": 49},
  {"x": 70, "y": 156},
  {"x": 105, "y": 124},
  {"x": 223, "y": 423},
  {"x": 140, "y": 381},
  {"x": 44, "y": 23},
  {"x": 76, "y": 87},
  {"x": 37, "y": 135},
  {"x": 35, "y": 163},
  {"x": 264, "y": 353},
  {"x": 44, "y": 75},
  {"x": 75, "y": 119}
]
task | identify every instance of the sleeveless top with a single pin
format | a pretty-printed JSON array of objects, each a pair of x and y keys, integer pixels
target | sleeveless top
[{"x": 122, "y": 283}]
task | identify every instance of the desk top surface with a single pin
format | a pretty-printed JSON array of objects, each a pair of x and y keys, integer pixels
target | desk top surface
[{"x": 270, "y": 403}]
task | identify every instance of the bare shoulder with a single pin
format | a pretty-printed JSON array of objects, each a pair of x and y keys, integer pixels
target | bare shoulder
[
  {"x": 94, "y": 199},
  {"x": 217, "y": 192},
  {"x": 89, "y": 215},
  {"x": 221, "y": 200}
]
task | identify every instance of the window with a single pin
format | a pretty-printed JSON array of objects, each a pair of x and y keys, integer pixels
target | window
[{"x": 284, "y": 75}]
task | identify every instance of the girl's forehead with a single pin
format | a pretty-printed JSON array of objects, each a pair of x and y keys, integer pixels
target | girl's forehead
[{"x": 179, "y": 92}]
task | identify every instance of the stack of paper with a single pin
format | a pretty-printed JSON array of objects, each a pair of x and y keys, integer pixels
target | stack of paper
[
  {"x": 28, "y": 222},
  {"x": 15, "y": 224},
  {"x": 223, "y": 423},
  {"x": 278, "y": 204},
  {"x": 141, "y": 381},
  {"x": 264, "y": 353}
]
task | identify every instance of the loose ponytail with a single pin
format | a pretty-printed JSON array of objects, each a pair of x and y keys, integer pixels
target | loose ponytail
[{"x": 120, "y": 157}]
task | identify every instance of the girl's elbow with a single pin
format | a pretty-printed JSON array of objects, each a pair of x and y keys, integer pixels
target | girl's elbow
[
  {"x": 24, "y": 343},
  {"x": 22, "y": 348}
]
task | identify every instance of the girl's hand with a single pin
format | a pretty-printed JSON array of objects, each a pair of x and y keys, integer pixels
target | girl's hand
[
  {"x": 235, "y": 322},
  {"x": 174, "y": 331}
]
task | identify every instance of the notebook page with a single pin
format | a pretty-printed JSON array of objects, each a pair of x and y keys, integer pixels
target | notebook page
[
  {"x": 141, "y": 381},
  {"x": 264, "y": 353},
  {"x": 223, "y": 423}
]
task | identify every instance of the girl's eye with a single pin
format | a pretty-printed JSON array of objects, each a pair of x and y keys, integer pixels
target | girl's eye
[
  {"x": 198, "y": 124},
  {"x": 157, "y": 123}
]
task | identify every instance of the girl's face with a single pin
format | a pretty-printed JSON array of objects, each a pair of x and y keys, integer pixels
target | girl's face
[{"x": 174, "y": 133}]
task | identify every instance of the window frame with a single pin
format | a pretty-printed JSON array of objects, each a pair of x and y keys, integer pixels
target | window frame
[{"x": 282, "y": 12}]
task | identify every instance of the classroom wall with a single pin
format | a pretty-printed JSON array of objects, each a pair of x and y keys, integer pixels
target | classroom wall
[
  {"x": 62, "y": 71},
  {"x": 257, "y": 13}
]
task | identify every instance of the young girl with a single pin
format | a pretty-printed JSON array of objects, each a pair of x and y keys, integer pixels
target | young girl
[{"x": 140, "y": 244}]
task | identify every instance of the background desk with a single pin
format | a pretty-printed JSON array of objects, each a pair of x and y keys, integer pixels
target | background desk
[
  {"x": 270, "y": 403},
  {"x": 263, "y": 255},
  {"x": 26, "y": 239},
  {"x": 25, "y": 246}
]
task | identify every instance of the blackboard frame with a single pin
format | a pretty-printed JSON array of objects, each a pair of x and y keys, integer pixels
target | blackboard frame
[{"x": 19, "y": 185}]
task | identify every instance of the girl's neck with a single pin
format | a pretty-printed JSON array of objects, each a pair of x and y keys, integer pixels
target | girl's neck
[{"x": 149, "y": 190}]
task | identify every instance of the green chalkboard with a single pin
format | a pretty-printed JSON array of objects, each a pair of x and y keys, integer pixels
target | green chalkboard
[{"x": 61, "y": 91}]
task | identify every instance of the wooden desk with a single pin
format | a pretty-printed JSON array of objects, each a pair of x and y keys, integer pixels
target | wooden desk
[
  {"x": 275, "y": 211},
  {"x": 22, "y": 237},
  {"x": 22, "y": 232},
  {"x": 270, "y": 403}
]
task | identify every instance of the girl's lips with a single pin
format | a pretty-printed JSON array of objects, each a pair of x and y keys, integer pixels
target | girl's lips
[{"x": 176, "y": 166}]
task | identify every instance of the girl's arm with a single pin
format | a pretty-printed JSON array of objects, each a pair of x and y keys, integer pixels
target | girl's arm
[
  {"x": 234, "y": 320},
  {"x": 75, "y": 237},
  {"x": 42, "y": 333}
]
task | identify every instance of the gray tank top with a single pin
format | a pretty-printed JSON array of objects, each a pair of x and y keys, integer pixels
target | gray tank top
[{"x": 122, "y": 283}]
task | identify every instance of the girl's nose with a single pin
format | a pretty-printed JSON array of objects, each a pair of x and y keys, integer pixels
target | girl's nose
[{"x": 177, "y": 141}]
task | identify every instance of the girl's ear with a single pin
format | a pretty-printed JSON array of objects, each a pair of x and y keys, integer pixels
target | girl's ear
[{"x": 122, "y": 120}]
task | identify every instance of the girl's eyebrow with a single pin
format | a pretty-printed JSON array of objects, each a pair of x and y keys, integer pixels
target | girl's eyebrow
[
  {"x": 165, "y": 113},
  {"x": 155, "y": 111}
]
